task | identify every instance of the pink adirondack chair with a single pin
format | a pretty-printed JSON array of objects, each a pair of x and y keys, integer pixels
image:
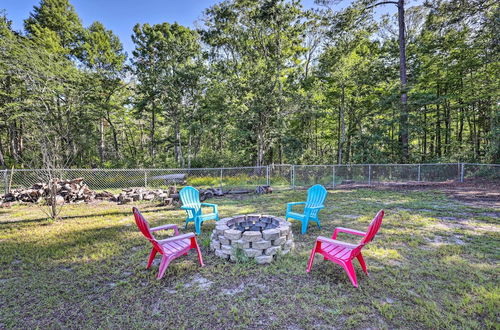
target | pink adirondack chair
[
  {"x": 343, "y": 253},
  {"x": 169, "y": 248}
]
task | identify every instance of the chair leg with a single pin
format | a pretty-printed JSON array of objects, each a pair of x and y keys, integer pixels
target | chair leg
[
  {"x": 349, "y": 268},
  {"x": 305, "y": 222},
  {"x": 186, "y": 224},
  {"x": 163, "y": 266},
  {"x": 194, "y": 243},
  {"x": 197, "y": 226},
  {"x": 311, "y": 258},
  {"x": 151, "y": 257},
  {"x": 362, "y": 263},
  {"x": 319, "y": 225}
]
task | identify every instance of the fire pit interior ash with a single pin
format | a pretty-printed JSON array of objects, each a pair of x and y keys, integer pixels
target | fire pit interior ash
[
  {"x": 252, "y": 224},
  {"x": 262, "y": 237}
]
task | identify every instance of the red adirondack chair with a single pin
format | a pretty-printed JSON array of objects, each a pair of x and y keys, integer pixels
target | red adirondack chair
[
  {"x": 343, "y": 253},
  {"x": 169, "y": 248}
]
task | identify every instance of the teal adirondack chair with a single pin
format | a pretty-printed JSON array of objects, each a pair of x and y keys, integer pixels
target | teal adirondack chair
[
  {"x": 315, "y": 198},
  {"x": 190, "y": 198}
]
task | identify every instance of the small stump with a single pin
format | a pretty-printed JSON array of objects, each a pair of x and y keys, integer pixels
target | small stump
[{"x": 261, "y": 237}]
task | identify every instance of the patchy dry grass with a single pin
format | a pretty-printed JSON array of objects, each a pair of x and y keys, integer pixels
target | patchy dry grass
[{"x": 433, "y": 265}]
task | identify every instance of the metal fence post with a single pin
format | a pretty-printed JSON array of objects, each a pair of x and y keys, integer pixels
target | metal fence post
[
  {"x": 6, "y": 181},
  {"x": 221, "y": 179},
  {"x": 369, "y": 174},
  {"x": 293, "y": 177},
  {"x": 145, "y": 179},
  {"x": 419, "y": 166},
  {"x": 462, "y": 170},
  {"x": 333, "y": 176},
  {"x": 268, "y": 181}
]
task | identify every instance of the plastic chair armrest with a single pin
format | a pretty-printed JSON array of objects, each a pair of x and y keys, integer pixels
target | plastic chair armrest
[
  {"x": 295, "y": 203},
  {"x": 177, "y": 238},
  {"x": 167, "y": 227},
  {"x": 290, "y": 205},
  {"x": 335, "y": 242},
  {"x": 347, "y": 231},
  {"x": 208, "y": 204},
  {"x": 316, "y": 207},
  {"x": 213, "y": 206}
]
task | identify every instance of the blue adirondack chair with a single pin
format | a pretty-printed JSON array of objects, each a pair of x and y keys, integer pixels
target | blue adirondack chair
[
  {"x": 190, "y": 198},
  {"x": 315, "y": 198}
]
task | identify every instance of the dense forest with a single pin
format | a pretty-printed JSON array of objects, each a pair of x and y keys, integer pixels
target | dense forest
[{"x": 258, "y": 82}]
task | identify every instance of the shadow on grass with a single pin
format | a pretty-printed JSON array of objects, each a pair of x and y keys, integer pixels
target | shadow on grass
[{"x": 90, "y": 215}]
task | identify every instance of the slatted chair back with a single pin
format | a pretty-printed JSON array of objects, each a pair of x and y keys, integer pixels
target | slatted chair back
[
  {"x": 316, "y": 196},
  {"x": 190, "y": 196},
  {"x": 373, "y": 228},
  {"x": 144, "y": 228}
]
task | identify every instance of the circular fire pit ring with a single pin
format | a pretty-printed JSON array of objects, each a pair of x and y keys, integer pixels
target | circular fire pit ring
[{"x": 258, "y": 236}]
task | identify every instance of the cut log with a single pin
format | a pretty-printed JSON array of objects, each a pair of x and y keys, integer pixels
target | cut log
[
  {"x": 238, "y": 192},
  {"x": 263, "y": 190}
]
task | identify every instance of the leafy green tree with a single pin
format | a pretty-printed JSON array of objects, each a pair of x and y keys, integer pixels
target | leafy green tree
[
  {"x": 259, "y": 82},
  {"x": 257, "y": 46},
  {"x": 165, "y": 66},
  {"x": 55, "y": 22},
  {"x": 102, "y": 53}
]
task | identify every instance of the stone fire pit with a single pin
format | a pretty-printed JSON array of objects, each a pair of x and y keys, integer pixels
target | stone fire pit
[{"x": 262, "y": 237}]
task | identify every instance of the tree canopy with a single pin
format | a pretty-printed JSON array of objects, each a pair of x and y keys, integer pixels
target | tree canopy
[{"x": 258, "y": 82}]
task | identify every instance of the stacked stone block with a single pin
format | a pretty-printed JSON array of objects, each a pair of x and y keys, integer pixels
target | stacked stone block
[{"x": 263, "y": 245}]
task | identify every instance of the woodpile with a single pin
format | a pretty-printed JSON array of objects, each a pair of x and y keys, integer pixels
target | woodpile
[
  {"x": 168, "y": 196},
  {"x": 65, "y": 191},
  {"x": 75, "y": 191},
  {"x": 211, "y": 192},
  {"x": 263, "y": 190}
]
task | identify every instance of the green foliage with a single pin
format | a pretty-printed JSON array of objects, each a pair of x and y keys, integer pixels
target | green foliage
[
  {"x": 167, "y": 72},
  {"x": 259, "y": 82},
  {"x": 55, "y": 20}
]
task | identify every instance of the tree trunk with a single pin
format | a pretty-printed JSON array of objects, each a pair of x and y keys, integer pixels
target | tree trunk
[
  {"x": 179, "y": 144},
  {"x": 460, "y": 126},
  {"x": 341, "y": 126},
  {"x": 403, "y": 119},
  {"x": 438, "y": 130},
  {"x": 101, "y": 141},
  {"x": 424, "y": 151},
  {"x": 189, "y": 150},
  {"x": 14, "y": 145},
  {"x": 152, "y": 149},
  {"x": 115, "y": 134},
  {"x": 447, "y": 123},
  {"x": 2, "y": 157},
  {"x": 260, "y": 148}
]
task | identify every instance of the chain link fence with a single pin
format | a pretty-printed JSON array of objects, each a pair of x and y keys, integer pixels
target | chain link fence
[
  {"x": 280, "y": 177},
  {"x": 117, "y": 179}
]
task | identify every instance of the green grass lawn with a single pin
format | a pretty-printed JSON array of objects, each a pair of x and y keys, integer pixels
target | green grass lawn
[{"x": 434, "y": 264}]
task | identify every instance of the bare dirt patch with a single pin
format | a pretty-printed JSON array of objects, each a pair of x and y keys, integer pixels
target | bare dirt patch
[{"x": 478, "y": 193}]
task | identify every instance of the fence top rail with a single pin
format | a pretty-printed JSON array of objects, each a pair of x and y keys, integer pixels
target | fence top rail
[
  {"x": 478, "y": 164},
  {"x": 349, "y": 165},
  {"x": 137, "y": 169},
  {"x": 232, "y": 168},
  {"x": 392, "y": 164}
]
